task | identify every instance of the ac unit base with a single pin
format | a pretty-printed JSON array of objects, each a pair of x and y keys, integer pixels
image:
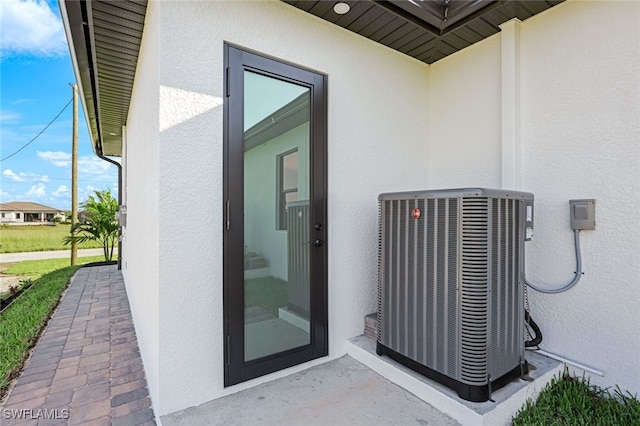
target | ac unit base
[{"x": 467, "y": 392}]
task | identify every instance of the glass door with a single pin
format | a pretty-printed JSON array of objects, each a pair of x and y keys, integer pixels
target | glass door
[
  {"x": 275, "y": 271},
  {"x": 276, "y": 216}
]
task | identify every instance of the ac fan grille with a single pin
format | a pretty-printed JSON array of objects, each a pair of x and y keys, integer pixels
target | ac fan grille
[
  {"x": 473, "y": 291},
  {"x": 506, "y": 325},
  {"x": 418, "y": 274}
]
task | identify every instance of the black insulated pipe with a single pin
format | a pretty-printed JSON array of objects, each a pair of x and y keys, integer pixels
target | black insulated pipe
[{"x": 538, "y": 338}]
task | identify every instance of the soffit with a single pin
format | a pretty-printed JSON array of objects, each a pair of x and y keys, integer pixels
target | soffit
[
  {"x": 427, "y": 30},
  {"x": 105, "y": 36}
]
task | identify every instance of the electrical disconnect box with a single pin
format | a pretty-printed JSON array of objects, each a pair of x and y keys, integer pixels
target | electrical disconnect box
[{"x": 583, "y": 214}]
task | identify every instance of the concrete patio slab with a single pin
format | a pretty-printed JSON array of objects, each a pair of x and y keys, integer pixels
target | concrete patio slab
[{"x": 339, "y": 392}]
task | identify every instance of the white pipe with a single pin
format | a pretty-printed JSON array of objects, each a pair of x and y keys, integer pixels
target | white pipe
[{"x": 568, "y": 361}]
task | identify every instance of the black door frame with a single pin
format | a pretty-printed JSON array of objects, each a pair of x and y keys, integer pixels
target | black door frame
[{"x": 236, "y": 61}]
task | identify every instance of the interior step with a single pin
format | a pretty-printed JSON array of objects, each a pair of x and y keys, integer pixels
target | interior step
[{"x": 254, "y": 261}]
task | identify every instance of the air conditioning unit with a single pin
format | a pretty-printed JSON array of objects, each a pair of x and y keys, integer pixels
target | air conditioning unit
[{"x": 451, "y": 285}]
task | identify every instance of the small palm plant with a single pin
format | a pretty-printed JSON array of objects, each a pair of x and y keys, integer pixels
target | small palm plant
[{"x": 99, "y": 224}]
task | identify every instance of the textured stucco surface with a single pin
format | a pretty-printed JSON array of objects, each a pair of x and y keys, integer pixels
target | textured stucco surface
[
  {"x": 581, "y": 133},
  {"x": 140, "y": 254},
  {"x": 377, "y": 113},
  {"x": 579, "y": 139},
  {"x": 394, "y": 124},
  {"x": 464, "y": 118}
]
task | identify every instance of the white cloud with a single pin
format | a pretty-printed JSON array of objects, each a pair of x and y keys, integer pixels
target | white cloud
[
  {"x": 8, "y": 173},
  {"x": 87, "y": 164},
  {"x": 31, "y": 27},
  {"x": 57, "y": 158},
  {"x": 9, "y": 116},
  {"x": 93, "y": 165},
  {"x": 37, "y": 191},
  {"x": 61, "y": 191},
  {"x": 24, "y": 177}
]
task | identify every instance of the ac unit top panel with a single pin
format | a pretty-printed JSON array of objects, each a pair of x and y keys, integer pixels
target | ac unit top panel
[{"x": 456, "y": 193}]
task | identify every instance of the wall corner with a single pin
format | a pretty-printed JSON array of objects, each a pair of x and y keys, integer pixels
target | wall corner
[{"x": 510, "y": 81}]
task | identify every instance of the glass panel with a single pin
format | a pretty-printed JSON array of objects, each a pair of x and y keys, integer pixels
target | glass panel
[
  {"x": 276, "y": 263},
  {"x": 290, "y": 171}
]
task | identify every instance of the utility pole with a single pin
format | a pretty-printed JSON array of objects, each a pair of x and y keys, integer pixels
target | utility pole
[{"x": 74, "y": 174}]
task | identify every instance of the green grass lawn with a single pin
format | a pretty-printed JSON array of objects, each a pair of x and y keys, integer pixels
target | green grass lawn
[
  {"x": 268, "y": 292},
  {"x": 34, "y": 269},
  {"x": 567, "y": 401},
  {"x": 22, "y": 322},
  {"x": 15, "y": 239}
]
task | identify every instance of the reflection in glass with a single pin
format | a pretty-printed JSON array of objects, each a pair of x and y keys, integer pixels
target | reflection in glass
[
  {"x": 288, "y": 167},
  {"x": 276, "y": 216},
  {"x": 290, "y": 171}
]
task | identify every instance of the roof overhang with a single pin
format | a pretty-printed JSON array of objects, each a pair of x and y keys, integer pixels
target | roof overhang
[
  {"x": 427, "y": 30},
  {"x": 104, "y": 41}
]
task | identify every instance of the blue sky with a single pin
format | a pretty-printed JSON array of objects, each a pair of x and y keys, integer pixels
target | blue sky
[{"x": 35, "y": 73}]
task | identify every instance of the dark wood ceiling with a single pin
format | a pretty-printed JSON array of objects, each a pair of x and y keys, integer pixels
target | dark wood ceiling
[{"x": 427, "y": 30}]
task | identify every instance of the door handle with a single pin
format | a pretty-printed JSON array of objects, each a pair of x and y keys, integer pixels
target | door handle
[{"x": 318, "y": 243}]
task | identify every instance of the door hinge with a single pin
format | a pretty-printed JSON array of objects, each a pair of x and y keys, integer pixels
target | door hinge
[
  {"x": 228, "y": 222},
  {"x": 228, "y": 360},
  {"x": 227, "y": 84}
]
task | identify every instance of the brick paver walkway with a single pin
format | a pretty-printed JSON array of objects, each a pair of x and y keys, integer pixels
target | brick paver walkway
[{"x": 86, "y": 367}]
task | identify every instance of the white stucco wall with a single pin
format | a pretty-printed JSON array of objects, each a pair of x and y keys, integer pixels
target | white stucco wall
[
  {"x": 10, "y": 217},
  {"x": 377, "y": 114},
  {"x": 580, "y": 139},
  {"x": 394, "y": 124},
  {"x": 579, "y": 84},
  {"x": 465, "y": 88},
  {"x": 140, "y": 254}
]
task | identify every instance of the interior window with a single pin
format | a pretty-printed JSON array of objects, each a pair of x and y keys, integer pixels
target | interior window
[{"x": 288, "y": 184}]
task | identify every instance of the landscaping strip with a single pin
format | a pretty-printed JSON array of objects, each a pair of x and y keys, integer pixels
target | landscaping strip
[
  {"x": 23, "y": 321},
  {"x": 568, "y": 401},
  {"x": 14, "y": 292}
]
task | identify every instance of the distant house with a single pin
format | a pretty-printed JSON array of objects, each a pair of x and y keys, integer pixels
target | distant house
[{"x": 26, "y": 212}]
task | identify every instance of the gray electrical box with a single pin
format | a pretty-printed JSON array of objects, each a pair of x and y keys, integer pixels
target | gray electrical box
[
  {"x": 121, "y": 215},
  {"x": 583, "y": 214}
]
